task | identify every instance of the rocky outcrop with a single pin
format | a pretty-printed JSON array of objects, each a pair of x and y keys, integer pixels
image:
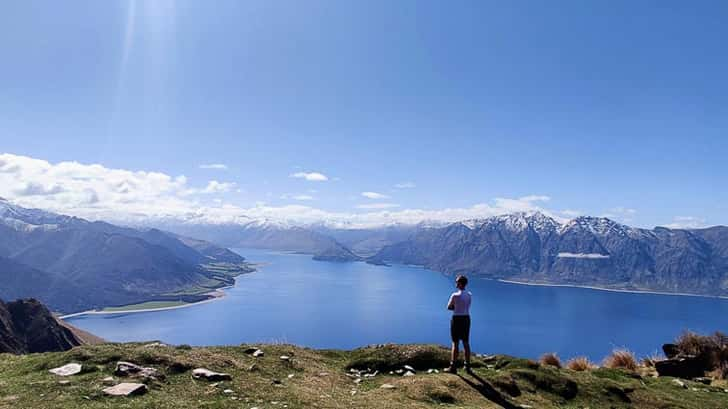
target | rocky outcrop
[
  {"x": 687, "y": 367},
  {"x": 27, "y": 326}
]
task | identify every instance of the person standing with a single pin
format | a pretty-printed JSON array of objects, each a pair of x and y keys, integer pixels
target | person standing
[{"x": 459, "y": 304}]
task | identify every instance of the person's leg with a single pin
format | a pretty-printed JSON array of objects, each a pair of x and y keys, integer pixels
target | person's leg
[
  {"x": 466, "y": 347},
  {"x": 454, "y": 354}
]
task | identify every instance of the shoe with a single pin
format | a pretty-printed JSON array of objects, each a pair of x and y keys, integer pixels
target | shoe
[
  {"x": 451, "y": 369},
  {"x": 468, "y": 370}
]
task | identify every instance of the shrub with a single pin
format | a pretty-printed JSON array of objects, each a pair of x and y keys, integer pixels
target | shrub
[
  {"x": 712, "y": 349},
  {"x": 550, "y": 359},
  {"x": 580, "y": 363},
  {"x": 621, "y": 359}
]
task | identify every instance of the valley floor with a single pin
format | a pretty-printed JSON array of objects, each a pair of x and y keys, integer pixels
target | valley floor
[{"x": 292, "y": 377}]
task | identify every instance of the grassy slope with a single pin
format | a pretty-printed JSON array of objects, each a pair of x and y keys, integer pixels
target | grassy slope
[{"x": 25, "y": 382}]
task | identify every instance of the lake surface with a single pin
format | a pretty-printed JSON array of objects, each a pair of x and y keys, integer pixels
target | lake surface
[{"x": 294, "y": 299}]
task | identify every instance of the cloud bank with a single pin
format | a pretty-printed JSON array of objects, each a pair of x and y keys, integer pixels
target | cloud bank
[{"x": 96, "y": 192}]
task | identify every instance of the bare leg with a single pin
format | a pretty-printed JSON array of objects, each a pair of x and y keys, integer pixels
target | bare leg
[
  {"x": 466, "y": 347},
  {"x": 454, "y": 355}
]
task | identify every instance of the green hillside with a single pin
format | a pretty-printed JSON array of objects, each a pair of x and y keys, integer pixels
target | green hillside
[{"x": 333, "y": 379}]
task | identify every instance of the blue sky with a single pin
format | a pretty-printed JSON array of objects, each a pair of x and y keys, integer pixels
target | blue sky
[{"x": 607, "y": 108}]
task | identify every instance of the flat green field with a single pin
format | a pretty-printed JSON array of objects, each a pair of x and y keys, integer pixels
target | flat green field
[{"x": 145, "y": 306}]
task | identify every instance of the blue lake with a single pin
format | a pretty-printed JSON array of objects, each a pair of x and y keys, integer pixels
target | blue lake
[{"x": 294, "y": 299}]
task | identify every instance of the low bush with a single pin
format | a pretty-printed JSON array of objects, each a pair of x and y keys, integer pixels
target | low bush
[
  {"x": 621, "y": 359},
  {"x": 550, "y": 359}
]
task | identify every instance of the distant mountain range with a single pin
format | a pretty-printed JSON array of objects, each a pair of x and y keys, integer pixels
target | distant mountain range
[
  {"x": 535, "y": 248},
  {"x": 72, "y": 264},
  {"x": 589, "y": 251}
]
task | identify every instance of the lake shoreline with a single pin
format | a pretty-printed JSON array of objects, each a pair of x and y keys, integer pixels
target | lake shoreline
[
  {"x": 218, "y": 294},
  {"x": 614, "y": 290}
]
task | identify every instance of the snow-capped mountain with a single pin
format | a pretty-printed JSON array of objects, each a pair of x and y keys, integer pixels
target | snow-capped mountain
[{"x": 584, "y": 251}]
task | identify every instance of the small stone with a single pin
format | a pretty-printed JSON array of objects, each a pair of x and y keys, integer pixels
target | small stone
[
  {"x": 408, "y": 373},
  {"x": 358, "y": 381},
  {"x": 391, "y": 372},
  {"x": 155, "y": 345},
  {"x": 694, "y": 389},
  {"x": 679, "y": 383},
  {"x": 399, "y": 371},
  {"x": 258, "y": 353},
  {"x": 290, "y": 376},
  {"x": 353, "y": 392},
  {"x": 323, "y": 374},
  {"x": 388, "y": 386},
  {"x": 285, "y": 358},
  {"x": 126, "y": 389},
  {"x": 227, "y": 391},
  {"x": 409, "y": 368},
  {"x": 67, "y": 370},
  {"x": 524, "y": 406},
  {"x": 430, "y": 371},
  {"x": 64, "y": 382},
  {"x": 202, "y": 373},
  {"x": 704, "y": 380},
  {"x": 108, "y": 380},
  {"x": 253, "y": 368}
]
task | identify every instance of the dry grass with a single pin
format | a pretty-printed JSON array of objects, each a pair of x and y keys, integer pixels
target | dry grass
[
  {"x": 621, "y": 359},
  {"x": 580, "y": 363},
  {"x": 550, "y": 359}
]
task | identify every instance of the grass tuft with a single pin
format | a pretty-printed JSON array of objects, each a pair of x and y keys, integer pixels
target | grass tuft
[
  {"x": 621, "y": 359},
  {"x": 580, "y": 364}
]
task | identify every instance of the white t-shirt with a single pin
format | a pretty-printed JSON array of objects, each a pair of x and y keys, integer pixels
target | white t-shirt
[{"x": 461, "y": 300}]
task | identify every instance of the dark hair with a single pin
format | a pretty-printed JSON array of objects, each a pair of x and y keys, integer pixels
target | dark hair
[{"x": 461, "y": 279}]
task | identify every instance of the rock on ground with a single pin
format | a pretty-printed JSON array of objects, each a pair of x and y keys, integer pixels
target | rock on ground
[
  {"x": 126, "y": 389},
  {"x": 67, "y": 370},
  {"x": 203, "y": 373}
]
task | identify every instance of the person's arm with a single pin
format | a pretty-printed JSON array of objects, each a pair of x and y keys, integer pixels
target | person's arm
[{"x": 451, "y": 303}]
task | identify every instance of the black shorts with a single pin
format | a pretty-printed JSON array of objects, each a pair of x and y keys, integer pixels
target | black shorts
[{"x": 460, "y": 328}]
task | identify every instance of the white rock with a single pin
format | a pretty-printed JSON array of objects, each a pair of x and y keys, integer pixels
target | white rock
[
  {"x": 291, "y": 376},
  {"x": 409, "y": 368},
  {"x": 108, "y": 380},
  {"x": 203, "y": 373},
  {"x": 388, "y": 386},
  {"x": 227, "y": 391},
  {"x": 285, "y": 358},
  {"x": 258, "y": 353},
  {"x": 323, "y": 374},
  {"x": 67, "y": 370},
  {"x": 126, "y": 389},
  {"x": 357, "y": 381},
  {"x": 679, "y": 383},
  {"x": 408, "y": 373}
]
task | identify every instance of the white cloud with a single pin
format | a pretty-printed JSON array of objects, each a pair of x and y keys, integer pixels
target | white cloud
[
  {"x": 405, "y": 185},
  {"x": 302, "y": 197},
  {"x": 686, "y": 222},
  {"x": 310, "y": 176},
  {"x": 124, "y": 196},
  {"x": 218, "y": 166},
  {"x": 374, "y": 195},
  {"x": 214, "y": 186},
  {"x": 377, "y": 206}
]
